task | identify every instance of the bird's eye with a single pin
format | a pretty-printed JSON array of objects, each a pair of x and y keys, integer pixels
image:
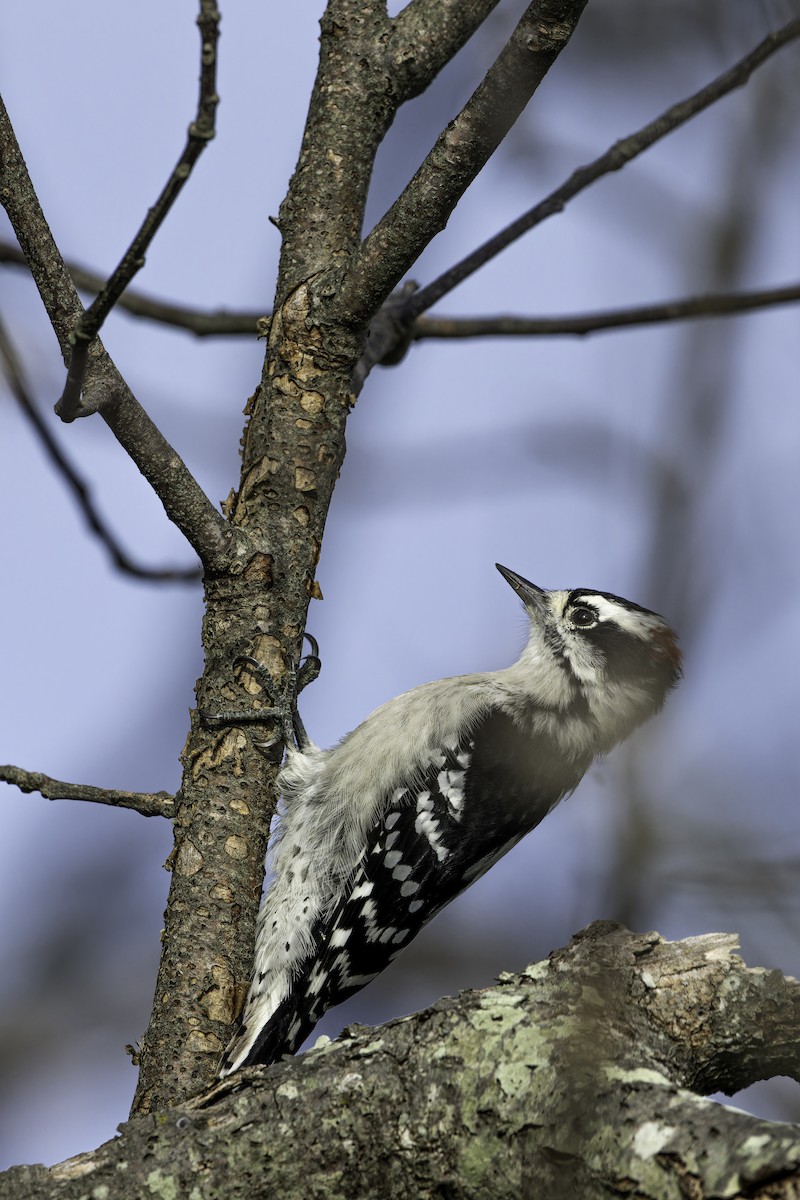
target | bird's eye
[{"x": 583, "y": 617}]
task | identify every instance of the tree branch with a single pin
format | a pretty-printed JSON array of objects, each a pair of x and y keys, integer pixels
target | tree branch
[
  {"x": 292, "y": 450},
  {"x": 719, "y": 304},
  {"x": 579, "y": 1077},
  {"x": 12, "y": 370},
  {"x": 201, "y": 131},
  {"x": 614, "y": 159},
  {"x": 224, "y": 323},
  {"x": 392, "y": 330},
  {"x": 352, "y": 105},
  {"x": 149, "y": 804},
  {"x": 202, "y": 323},
  {"x": 424, "y": 206},
  {"x": 427, "y": 34},
  {"x": 185, "y": 503}
]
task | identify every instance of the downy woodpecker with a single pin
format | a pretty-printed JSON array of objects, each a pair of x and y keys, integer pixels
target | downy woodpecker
[{"x": 381, "y": 832}]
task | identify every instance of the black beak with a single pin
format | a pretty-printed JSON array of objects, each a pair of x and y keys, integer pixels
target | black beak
[{"x": 532, "y": 597}]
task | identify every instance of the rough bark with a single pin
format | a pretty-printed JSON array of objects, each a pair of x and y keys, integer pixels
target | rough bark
[
  {"x": 581, "y": 1077},
  {"x": 292, "y": 451}
]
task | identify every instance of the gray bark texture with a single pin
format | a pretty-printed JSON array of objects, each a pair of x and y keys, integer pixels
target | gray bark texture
[{"x": 583, "y": 1076}]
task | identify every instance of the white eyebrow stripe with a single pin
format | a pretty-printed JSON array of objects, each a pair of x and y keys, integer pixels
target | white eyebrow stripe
[{"x": 638, "y": 623}]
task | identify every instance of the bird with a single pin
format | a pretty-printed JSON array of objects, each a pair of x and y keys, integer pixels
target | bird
[{"x": 376, "y": 835}]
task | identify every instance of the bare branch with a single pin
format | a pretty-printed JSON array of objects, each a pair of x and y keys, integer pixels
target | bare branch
[
  {"x": 184, "y": 500},
  {"x": 13, "y": 372},
  {"x": 614, "y": 159},
  {"x": 201, "y": 131},
  {"x": 427, "y": 34},
  {"x": 201, "y": 322},
  {"x": 581, "y": 324},
  {"x": 224, "y": 323},
  {"x": 149, "y": 804},
  {"x": 321, "y": 217},
  {"x": 392, "y": 330},
  {"x": 424, "y": 206}
]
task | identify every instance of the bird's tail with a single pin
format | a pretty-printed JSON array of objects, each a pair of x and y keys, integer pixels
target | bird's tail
[{"x": 278, "y": 1020}]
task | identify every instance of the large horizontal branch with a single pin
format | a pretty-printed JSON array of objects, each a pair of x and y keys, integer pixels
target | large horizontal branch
[
  {"x": 579, "y": 1077},
  {"x": 424, "y": 207},
  {"x": 621, "y": 153},
  {"x": 149, "y": 804},
  {"x": 184, "y": 500}
]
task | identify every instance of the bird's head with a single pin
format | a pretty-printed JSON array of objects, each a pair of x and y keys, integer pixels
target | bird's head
[{"x": 620, "y": 658}]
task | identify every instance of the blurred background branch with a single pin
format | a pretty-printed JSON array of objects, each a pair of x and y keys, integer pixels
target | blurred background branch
[
  {"x": 76, "y": 485},
  {"x": 106, "y": 390}
]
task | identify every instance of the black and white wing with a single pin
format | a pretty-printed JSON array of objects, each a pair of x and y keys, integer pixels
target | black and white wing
[{"x": 436, "y": 837}]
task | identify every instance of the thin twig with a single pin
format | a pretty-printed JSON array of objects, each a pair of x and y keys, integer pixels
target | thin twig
[
  {"x": 200, "y": 133},
  {"x": 149, "y": 804},
  {"x": 713, "y": 305},
  {"x": 222, "y": 323},
  {"x": 12, "y": 370},
  {"x": 460, "y": 152},
  {"x": 201, "y": 322},
  {"x": 612, "y": 160},
  {"x": 184, "y": 500}
]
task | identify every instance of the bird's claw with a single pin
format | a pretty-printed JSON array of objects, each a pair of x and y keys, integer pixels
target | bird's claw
[{"x": 281, "y": 711}]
